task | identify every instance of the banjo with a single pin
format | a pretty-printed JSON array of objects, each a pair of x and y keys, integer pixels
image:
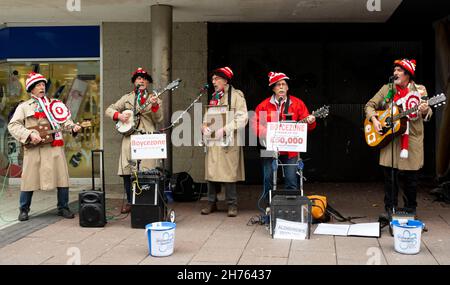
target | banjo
[{"x": 129, "y": 127}]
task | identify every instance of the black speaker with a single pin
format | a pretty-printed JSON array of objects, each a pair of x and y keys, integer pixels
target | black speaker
[
  {"x": 91, "y": 203},
  {"x": 290, "y": 206},
  {"x": 144, "y": 214},
  {"x": 92, "y": 208}
]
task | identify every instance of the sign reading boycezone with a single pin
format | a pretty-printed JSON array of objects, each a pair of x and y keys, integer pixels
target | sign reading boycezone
[
  {"x": 286, "y": 136},
  {"x": 151, "y": 146}
]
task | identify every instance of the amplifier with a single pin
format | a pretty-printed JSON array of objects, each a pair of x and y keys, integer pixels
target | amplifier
[
  {"x": 290, "y": 206},
  {"x": 148, "y": 201},
  {"x": 141, "y": 215},
  {"x": 147, "y": 189}
]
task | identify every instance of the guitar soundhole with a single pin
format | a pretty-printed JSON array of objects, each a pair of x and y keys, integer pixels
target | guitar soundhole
[{"x": 388, "y": 122}]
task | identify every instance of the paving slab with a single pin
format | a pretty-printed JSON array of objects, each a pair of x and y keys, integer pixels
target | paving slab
[{"x": 217, "y": 239}]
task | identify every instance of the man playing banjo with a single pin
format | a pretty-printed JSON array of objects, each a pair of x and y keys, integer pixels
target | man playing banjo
[{"x": 147, "y": 108}]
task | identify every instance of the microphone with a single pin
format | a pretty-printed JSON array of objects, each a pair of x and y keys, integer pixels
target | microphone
[
  {"x": 279, "y": 100},
  {"x": 393, "y": 77}
]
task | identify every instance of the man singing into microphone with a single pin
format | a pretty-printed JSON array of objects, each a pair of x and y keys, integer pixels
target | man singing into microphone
[
  {"x": 280, "y": 106},
  {"x": 149, "y": 113},
  {"x": 408, "y": 148}
]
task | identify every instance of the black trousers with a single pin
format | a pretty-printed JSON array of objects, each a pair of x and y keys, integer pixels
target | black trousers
[
  {"x": 404, "y": 179},
  {"x": 127, "y": 186}
]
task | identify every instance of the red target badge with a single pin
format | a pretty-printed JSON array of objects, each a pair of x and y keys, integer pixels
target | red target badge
[
  {"x": 59, "y": 111},
  {"x": 412, "y": 101}
]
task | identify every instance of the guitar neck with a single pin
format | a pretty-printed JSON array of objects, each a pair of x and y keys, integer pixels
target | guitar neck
[
  {"x": 406, "y": 113},
  {"x": 147, "y": 102},
  {"x": 60, "y": 130},
  {"x": 303, "y": 121}
]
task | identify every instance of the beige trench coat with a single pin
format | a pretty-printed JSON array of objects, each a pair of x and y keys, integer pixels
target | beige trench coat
[
  {"x": 44, "y": 167},
  {"x": 226, "y": 164},
  {"x": 147, "y": 123},
  {"x": 416, "y": 131}
]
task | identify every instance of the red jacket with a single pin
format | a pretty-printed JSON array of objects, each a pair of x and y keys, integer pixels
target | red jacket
[{"x": 296, "y": 107}]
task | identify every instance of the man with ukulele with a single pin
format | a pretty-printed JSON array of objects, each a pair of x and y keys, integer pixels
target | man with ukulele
[{"x": 44, "y": 164}]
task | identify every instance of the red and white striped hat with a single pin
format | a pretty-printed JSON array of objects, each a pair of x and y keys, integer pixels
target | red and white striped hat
[
  {"x": 407, "y": 64},
  {"x": 224, "y": 71},
  {"x": 32, "y": 78},
  {"x": 274, "y": 77},
  {"x": 143, "y": 73}
]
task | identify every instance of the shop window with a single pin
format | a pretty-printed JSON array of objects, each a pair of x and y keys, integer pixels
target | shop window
[{"x": 77, "y": 84}]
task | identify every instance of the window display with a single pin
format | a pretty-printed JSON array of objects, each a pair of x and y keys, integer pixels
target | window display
[{"x": 77, "y": 84}]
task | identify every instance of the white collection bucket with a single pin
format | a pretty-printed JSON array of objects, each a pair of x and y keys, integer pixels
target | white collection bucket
[
  {"x": 161, "y": 238},
  {"x": 407, "y": 236}
]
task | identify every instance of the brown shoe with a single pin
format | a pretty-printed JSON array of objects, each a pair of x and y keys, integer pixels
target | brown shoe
[
  {"x": 232, "y": 211},
  {"x": 126, "y": 209},
  {"x": 212, "y": 207}
]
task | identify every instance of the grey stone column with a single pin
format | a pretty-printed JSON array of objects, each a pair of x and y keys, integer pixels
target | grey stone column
[{"x": 161, "y": 18}]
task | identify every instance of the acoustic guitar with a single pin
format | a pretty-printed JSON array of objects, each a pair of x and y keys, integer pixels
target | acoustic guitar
[{"x": 374, "y": 139}]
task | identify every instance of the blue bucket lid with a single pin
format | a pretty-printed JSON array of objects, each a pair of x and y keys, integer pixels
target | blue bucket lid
[
  {"x": 409, "y": 224},
  {"x": 160, "y": 226}
]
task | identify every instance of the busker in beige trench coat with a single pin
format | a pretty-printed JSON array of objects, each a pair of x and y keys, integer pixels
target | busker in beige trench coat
[
  {"x": 44, "y": 166},
  {"x": 224, "y": 165},
  {"x": 408, "y": 148},
  {"x": 149, "y": 115}
]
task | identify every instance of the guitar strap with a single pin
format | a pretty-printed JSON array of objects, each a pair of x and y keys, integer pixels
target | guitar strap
[
  {"x": 286, "y": 106},
  {"x": 229, "y": 98},
  {"x": 137, "y": 117}
]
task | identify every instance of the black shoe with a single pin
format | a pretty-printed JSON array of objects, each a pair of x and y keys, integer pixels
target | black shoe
[
  {"x": 410, "y": 211},
  {"x": 385, "y": 218},
  {"x": 66, "y": 213},
  {"x": 23, "y": 216}
]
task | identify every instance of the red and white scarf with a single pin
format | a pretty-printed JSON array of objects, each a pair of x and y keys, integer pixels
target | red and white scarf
[
  {"x": 406, "y": 99},
  {"x": 43, "y": 110},
  {"x": 215, "y": 98}
]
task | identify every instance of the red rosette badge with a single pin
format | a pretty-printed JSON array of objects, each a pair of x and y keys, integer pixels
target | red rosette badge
[
  {"x": 59, "y": 111},
  {"x": 412, "y": 101}
]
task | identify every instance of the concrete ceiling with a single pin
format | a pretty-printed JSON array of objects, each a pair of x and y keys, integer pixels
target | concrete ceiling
[{"x": 97, "y": 11}]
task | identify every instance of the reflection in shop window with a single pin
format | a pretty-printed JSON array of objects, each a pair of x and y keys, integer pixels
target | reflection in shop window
[{"x": 77, "y": 84}]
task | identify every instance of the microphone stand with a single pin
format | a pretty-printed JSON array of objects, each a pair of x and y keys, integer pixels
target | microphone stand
[
  {"x": 391, "y": 87},
  {"x": 274, "y": 169},
  {"x": 205, "y": 87}
]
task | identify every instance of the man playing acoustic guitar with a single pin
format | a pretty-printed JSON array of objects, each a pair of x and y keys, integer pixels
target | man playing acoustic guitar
[
  {"x": 408, "y": 147},
  {"x": 44, "y": 162},
  {"x": 148, "y": 115}
]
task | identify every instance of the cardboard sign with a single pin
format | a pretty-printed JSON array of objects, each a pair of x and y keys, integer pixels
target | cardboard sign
[
  {"x": 152, "y": 146},
  {"x": 290, "y": 230},
  {"x": 286, "y": 136}
]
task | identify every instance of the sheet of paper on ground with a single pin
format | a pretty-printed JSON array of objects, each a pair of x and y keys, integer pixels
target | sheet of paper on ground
[{"x": 363, "y": 230}]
